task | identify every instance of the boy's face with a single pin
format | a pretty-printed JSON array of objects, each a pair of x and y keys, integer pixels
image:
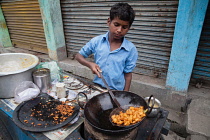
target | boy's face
[{"x": 118, "y": 28}]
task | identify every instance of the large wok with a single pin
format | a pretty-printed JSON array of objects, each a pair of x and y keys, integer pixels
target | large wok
[{"x": 98, "y": 109}]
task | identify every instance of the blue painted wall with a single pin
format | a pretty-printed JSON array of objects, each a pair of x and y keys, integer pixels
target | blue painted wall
[
  {"x": 53, "y": 28},
  {"x": 189, "y": 22}
]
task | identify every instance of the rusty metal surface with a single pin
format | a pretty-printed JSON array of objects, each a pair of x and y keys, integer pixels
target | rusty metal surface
[
  {"x": 151, "y": 32},
  {"x": 25, "y": 25}
]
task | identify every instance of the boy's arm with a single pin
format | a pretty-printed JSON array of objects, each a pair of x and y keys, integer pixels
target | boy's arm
[
  {"x": 93, "y": 66},
  {"x": 128, "y": 78}
]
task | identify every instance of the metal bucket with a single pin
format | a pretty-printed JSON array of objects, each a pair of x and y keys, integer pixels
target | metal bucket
[
  {"x": 41, "y": 78},
  {"x": 14, "y": 69}
]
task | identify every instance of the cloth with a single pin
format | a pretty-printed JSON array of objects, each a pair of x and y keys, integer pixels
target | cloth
[{"x": 112, "y": 63}]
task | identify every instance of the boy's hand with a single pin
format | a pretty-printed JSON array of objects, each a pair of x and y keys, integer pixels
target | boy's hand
[
  {"x": 93, "y": 66},
  {"x": 95, "y": 69}
]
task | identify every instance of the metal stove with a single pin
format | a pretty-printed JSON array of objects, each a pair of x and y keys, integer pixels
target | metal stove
[
  {"x": 150, "y": 129},
  {"x": 91, "y": 133}
]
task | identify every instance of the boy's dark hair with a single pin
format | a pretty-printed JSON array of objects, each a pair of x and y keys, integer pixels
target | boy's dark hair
[{"x": 123, "y": 11}]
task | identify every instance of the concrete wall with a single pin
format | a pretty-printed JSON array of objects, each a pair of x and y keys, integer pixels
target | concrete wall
[
  {"x": 53, "y": 28},
  {"x": 189, "y": 23}
]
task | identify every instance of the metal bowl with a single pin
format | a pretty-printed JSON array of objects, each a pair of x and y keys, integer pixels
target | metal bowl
[{"x": 156, "y": 107}]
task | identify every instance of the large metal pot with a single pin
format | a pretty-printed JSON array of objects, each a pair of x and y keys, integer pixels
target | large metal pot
[
  {"x": 14, "y": 69},
  {"x": 98, "y": 109}
]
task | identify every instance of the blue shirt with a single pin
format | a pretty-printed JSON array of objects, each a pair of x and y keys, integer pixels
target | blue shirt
[{"x": 112, "y": 63}]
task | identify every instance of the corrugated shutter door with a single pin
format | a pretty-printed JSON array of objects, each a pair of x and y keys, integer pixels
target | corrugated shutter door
[
  {"x": 151, "y": 32},
  {"x": 201, "y": 70},
  {"x": 25, "y": 25}
]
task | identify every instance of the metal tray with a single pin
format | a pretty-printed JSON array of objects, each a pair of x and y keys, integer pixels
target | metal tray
[{"x": 23, "y": 112}]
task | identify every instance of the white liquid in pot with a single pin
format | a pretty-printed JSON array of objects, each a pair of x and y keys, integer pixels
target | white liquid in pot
[
  {"x": 10, "y": 66},
  {"x": 19, "y": 64}
]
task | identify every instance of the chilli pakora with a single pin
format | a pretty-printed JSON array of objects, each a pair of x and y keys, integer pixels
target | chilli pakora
[{"x": 130, "y": 116}]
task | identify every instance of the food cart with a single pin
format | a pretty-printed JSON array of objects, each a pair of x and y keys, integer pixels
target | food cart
[{"x": 79, "y": 127}]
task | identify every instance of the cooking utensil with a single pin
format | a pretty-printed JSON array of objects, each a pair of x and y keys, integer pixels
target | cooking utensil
[
  {"x": 156, "y": 108},
  {"x": 97, "y": 110},
  {"x": 22, "y": 115},
  {"x": 119, "y": 108},
  {"x": 41, "y": 78},
  {"x": 14, "y": 69}
]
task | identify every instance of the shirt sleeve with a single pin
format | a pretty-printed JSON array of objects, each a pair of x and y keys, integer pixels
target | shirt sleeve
[
  {"x": 88, "y": 49},
  {"x": 130, "y": 63}
]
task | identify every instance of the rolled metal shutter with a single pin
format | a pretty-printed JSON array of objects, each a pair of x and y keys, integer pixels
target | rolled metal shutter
[
  {"x": 201, "y": 70},
  {"x": 152, "y": 31},
  {"x": 25, "y": 24}
]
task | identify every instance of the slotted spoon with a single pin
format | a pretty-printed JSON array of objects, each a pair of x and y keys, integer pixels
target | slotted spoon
[{"x": 119, "y": 108}]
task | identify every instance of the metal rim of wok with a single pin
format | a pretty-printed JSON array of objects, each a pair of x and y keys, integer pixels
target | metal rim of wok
[
  {"x": 94, "y": 106},
  {"x": 17, "y": 116}
]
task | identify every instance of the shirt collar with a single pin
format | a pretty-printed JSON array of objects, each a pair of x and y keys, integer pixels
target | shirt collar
[{"x": 123, "y": 45}]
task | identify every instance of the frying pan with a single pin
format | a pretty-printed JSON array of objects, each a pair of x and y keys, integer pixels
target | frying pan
[
  {"x": 23, "y": 112},
  {"x": 98, "y": 109}
]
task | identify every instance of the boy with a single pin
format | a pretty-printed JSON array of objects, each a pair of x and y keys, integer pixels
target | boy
[{"x": 113, "y": 55}]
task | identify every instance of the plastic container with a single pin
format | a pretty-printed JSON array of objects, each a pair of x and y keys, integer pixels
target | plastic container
[
  {"x": 60, "y": 90},
  {"x": 14, "y": 69}
]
